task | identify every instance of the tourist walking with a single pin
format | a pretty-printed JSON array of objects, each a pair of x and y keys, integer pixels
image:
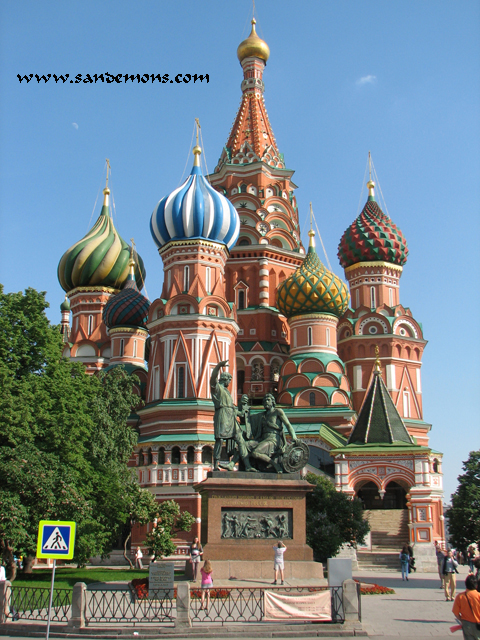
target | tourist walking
[
  {"x": 196, "y": 553},
  {"x": 207, "y": 582},
  {"x": 440, "y": 557},
  {"x": 467, "y": 609},
  {"x": 449, "y": 569},
  {"x": 471, "y": 557},
  {"x": 412, "y": 559},
  {"x": 138, "y": 558},
  {"x": 278, "y": 565},
  {"x": 404, "y": 562}
]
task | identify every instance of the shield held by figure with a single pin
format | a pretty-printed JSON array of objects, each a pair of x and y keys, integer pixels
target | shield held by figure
[{"x": 295, "y": 457}]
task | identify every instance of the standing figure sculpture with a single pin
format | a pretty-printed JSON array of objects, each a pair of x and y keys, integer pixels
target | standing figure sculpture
[
  {"x": 273, "y": 442},
  {"x": 225, "y": 422}
]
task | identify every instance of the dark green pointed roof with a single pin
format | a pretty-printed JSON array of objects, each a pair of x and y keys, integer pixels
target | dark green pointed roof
[{"x": 379, "y": 421}]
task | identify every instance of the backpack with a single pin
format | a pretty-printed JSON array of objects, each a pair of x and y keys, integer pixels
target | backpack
[{"x": 404, "y": 557}]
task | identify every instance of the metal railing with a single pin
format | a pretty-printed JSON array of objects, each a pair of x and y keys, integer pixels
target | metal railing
[
  {"x": 246, "y": 604},
  {"x": 31, "y": 603},
  {"x": 123, "y": 605}
]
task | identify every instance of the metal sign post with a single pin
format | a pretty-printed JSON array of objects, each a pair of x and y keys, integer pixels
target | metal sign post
[{"x": 55, "y": 540}]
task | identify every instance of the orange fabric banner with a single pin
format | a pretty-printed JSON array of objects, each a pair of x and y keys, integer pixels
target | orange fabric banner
[{"x": 286, "y": 606}]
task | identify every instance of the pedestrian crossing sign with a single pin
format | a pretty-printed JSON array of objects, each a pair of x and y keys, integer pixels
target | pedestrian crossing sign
[{"x": 56, "y": 540}]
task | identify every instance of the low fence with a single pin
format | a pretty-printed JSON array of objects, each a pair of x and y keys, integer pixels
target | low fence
[
  {"x": 81, "y": 606},
  {"x": 246, "y": 604},
  {"x": 31, "y": 603}
]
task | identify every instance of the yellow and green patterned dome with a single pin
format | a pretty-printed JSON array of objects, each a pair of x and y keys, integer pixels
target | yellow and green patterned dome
[
  {"x": 100, "y": 259},
  {"x": 312, "y": 288}
]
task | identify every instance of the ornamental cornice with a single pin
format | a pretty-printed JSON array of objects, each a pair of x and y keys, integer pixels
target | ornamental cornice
[
  {"x": 370, "y": 264},
  {"x": 218, "y": 246},
  {"x": 400, "y": 462},
  {"x": 137, "y": 330},
  {"x": 314, "y": 316},
  {"x": 91, "y": 290}
]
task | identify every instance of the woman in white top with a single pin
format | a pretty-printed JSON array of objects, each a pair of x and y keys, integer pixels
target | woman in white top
[
  {"x": 278, "y": 565},
  {"x": 138, "y": 558}
]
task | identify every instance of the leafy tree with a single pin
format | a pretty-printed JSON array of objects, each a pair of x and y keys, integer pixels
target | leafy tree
[
  {"x": 169, "y": 521},
  {"x": 333, "y": 519},
  {"x": 464, "y": 514},
  {"x": 64, "y": 437},
  {"x": 142, "y": 508}
]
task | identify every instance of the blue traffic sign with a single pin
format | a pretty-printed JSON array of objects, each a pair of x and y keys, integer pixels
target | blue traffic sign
[{"x": 56, "y": 539}]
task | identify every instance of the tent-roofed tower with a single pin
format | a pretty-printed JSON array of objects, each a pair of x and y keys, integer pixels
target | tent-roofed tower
[
  {"x": 385, "y": 466},
  {"x": 252, "y": 173}
]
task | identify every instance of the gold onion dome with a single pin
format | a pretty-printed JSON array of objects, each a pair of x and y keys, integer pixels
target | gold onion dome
[
  {"x": 312, "y": 288},
  {"x": 253, "y": 46},
  {"x": 99, "y": 259}
]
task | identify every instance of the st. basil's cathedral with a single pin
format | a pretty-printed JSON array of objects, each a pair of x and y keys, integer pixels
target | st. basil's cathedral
[{"x": 344, "y": 363}]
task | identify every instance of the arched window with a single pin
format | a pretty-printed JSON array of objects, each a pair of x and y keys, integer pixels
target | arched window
[
  {"x": 373, "y": 298},
  {"x": 311, "y": 398},
  {"x": 243, "y": 242},
  {"x": 90, "y": 325},
  {"x": 310, "y": 336},
  {"x": 161, "y": 456},
  {"x": 207, "y": 456},
  {"x": 406, "y": 404},
  {"x": 327, "y": 337},
  {"x": 181, "y": 382},
  {"x": 176, "y": 455},
  {"x": 241, "y": 299},
  {"x": 186, "y": 278},
  {"x": 294, "y": 337},
  {"x": 169, "y": 280},
  {"x": 122, "y": 347},
  {"x": 190, "y": 455},
  {"x": 435, "y": 466},
  {"x": 357, "y": 298},
  {"x": 390, "y": 296},
  {"x": 243, "y": 188},
  {"x": 208, "y": 282},
  {"x": 240, "y": 380},
  {"x": 134, "y": 348}
]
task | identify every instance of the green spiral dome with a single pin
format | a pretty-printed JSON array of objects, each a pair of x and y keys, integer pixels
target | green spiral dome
[{"x": 99, "y": 259}]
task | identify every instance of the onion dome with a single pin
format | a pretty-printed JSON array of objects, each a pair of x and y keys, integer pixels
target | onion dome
[
  {"x": 99, "y": 259},
  {"x": 65, "y": 306},
  {"x": 195, "y": 210},
  {"x": 312, "y": 288},
  {"x": 128, "y": 308},
  {"x": 372, "y": 237},
  {"x": 253, "y": 46}
]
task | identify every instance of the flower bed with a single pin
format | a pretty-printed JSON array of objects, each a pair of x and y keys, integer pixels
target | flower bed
[
  {"x": 140, "y": 586},
  {"x": 374, "y": 590},
  {"x": 214, "y": 593}
]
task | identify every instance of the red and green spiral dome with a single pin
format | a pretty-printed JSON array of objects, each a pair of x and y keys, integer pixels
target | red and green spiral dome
[{"x": 372, "y": 237}]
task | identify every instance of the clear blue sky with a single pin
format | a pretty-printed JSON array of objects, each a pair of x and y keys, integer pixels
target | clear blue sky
[{"x": 399, "y": 78}]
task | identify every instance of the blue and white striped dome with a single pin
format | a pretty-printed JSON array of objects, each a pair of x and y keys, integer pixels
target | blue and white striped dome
[{"x": 195, "y": 210}]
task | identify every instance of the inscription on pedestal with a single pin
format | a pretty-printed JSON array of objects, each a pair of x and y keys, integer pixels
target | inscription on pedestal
[{"x": 256, "y": 523}]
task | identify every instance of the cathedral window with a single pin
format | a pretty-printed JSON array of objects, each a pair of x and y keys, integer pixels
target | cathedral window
[
  {"x": 161, "y": 456},
  {"x": 241, "y": 299},
  {"x": 357, "y": 298},
  {"x": 294, "y": 337},
  {"x": 311, "y": 398},
  {"x": 310, "y": 336},
  {"x": 406, "y": 404},
  {"x": 207, "y": 456},
  {"x": 181, "y": 382},
  {"x": 186, "y": 278},
  {"x": 169, "y": 280},
  {"x": 90, "y": 325},
  {"x": 176, "y": 455},
  {"x": 243, "y": 188},
  {"x": 122, "y": 347},
  {"x": 390, "y": 296},
  {"x": 373, "y": 298},
  {"x": 134, "y": 348},
  {"x": 208, "y": 283},
  {"x": 190, "y": 455},
  {"x": 327, "y": 337}
]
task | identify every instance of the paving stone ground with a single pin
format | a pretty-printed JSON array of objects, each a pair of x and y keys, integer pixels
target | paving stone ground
[{"x": 417, "y": 610}]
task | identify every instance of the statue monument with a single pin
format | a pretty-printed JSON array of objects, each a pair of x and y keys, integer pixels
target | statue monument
[{"x": 257, "y": 440}]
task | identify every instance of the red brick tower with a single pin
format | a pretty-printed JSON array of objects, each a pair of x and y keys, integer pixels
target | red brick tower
[{"x": 251, "y": 172}]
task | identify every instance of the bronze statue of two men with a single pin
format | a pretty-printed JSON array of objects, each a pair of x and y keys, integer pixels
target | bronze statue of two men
[{"x": 260, "y": 439}]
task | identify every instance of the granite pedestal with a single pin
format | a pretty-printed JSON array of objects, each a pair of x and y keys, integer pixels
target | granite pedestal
[{"x": 244, "y": 514}]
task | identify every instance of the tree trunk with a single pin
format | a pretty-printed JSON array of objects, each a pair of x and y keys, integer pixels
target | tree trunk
[
  {"x": 125, "y": 550},
  {"x": 28, "y": 564},
  {"x": 11, "y": 564}
]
